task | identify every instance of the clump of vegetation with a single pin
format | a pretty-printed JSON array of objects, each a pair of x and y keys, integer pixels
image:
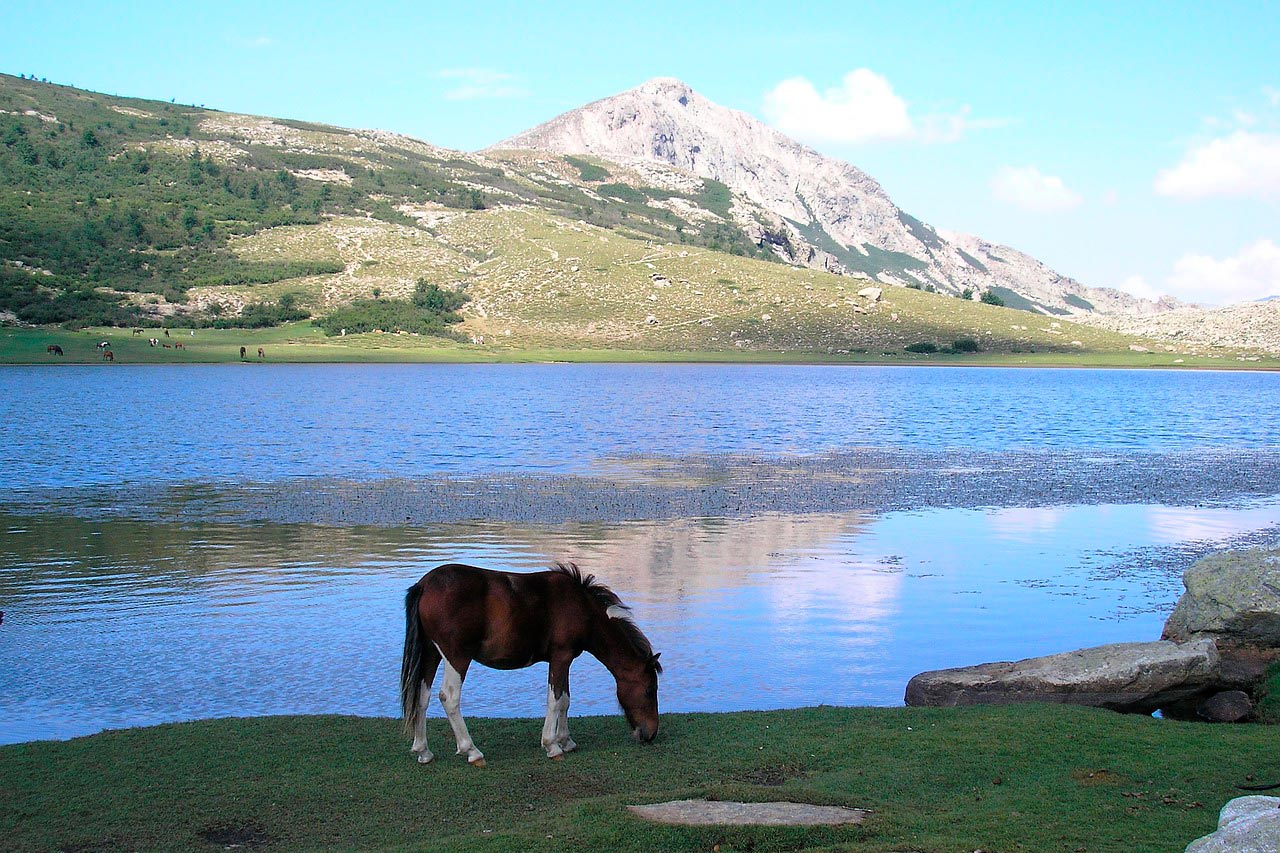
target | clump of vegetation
[
  {"x": 922, "y": 347},
  {"x": 990, "y": 297},
  {"x": 587, "y": 170},
  {"x": 1267, "y": 697},
  {"x": 965, "y": 345},
  {"x": 429, "y": 312},
  {"x": 264, "y": 315}
]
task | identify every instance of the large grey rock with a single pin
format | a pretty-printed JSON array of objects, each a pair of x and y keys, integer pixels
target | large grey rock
[
  {"x": 1232, "y": 595},
  {"x": 1245, "y": 825},
  {"x": 1123, "y": 677}
]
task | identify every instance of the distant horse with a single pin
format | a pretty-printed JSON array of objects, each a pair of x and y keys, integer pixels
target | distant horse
[
  {"x": 54, "y": 349},
  {"x": 178, "y": 345},
  {"x": 509, "y": 620},
  {"x": 108, "y": 355},
  {"x": 261, "y": 353},
  {"x": 242, "y": 352}
]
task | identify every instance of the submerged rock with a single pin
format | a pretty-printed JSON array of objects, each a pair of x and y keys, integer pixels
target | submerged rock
[
  {"x": 1137, "y": 677},
  {"x": 1232, "y": 595},
  {"x": 1245, "y": 825}
]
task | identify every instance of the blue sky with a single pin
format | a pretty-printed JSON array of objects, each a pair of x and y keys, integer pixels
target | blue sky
[{"x": 1127, "y": 145}]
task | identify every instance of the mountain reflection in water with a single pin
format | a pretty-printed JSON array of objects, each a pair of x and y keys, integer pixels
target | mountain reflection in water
[{"x": 116, "y": 622}]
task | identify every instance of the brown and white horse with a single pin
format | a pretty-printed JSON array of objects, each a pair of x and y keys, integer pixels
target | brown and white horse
[{"x": 510, "y": 620}]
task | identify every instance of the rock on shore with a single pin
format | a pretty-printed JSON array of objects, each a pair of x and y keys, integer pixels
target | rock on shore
[
  {"x": 1136, "y": 677},
  {"x": 1245, "y": 825},
  {"x": 1233, "y": 596}
]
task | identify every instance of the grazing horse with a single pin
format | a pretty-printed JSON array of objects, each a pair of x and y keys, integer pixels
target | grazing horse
[
  {"x": 242, "y": 352},
  {"x": 261, "y": 353},
  {"x": 510, "y": 620},
  {"x": 108, "y": 355},
  {"x": 53, "y": 349}
]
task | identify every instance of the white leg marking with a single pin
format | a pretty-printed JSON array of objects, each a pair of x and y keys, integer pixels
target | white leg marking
[
  {"x": 451, "y": 699},
  {"x": 419, "y": 747},
  {"x": 555, "y": 731},
  {"x": 562, "y": 730}
]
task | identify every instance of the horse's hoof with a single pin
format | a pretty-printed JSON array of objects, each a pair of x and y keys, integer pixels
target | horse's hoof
[
  {"x": 425, "y": 757},
  {"x": 558, "y": 757},
  {"x": 479, "y": 762}
]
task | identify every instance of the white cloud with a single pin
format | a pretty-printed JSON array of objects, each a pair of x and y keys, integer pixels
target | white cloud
[
  {"x": 474, "y": 83},
  {"x": 1253, "y": 273},
  {"x": 1030, "y": 189},
  {"x": 863, "y": 108},
  {"x": 1242, "y": 164}
]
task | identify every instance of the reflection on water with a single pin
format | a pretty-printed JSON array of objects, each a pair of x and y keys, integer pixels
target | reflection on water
[{"x": 112, "y": 623}]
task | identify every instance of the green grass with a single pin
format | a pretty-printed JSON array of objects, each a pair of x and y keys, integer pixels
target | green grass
[
  {"x": 1036, "y": 778},
  {"x": 302, "y": 342}
]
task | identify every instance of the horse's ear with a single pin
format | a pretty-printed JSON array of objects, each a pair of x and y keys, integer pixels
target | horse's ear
[
  {"x": 617, "y": 611},
  {"x": 655, "y": 663}
]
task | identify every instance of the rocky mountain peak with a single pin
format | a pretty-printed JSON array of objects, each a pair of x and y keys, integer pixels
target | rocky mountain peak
[{"x": 809, "y": 209}]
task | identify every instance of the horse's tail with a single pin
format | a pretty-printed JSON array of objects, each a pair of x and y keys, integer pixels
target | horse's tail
[{"x": 413, "y": 662}]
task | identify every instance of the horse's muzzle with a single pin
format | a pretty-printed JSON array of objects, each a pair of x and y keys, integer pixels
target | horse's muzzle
[{"x": 642, "y": 735}]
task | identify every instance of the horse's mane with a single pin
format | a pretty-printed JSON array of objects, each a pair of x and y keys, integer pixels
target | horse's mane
[{"x": 606, "y": 598}]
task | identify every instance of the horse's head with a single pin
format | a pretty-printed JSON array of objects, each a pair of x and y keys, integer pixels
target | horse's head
[{"x": 638, "y": 696}]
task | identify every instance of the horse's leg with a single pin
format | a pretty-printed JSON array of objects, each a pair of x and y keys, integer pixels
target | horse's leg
[
  {"x": 555, "y": 731},
  {"x": 419, "y": 748},
  {"x": 451, "y": 699}
]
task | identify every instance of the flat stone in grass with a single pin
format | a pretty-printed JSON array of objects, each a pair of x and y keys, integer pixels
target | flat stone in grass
[{"x": 726, "y": 813}]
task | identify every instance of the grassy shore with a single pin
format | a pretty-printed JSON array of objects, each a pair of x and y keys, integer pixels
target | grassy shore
[
  {"x": 302, "y": 343},
  {"x": 1035, "y": 778}
]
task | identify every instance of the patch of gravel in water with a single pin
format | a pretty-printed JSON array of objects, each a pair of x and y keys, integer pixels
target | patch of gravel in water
[{"x": 705, "y": 487}]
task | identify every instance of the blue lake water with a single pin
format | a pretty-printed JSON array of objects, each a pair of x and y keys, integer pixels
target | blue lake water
[{"x": 116, "y": 621}]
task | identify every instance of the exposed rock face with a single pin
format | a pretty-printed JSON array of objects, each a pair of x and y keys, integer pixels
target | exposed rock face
[
  {"x": 1233, "y": 596},
  {"x": 1245, "y": 825},
  {"x": 833, "y": 215},
  {"x": 1138, "y": 677}
]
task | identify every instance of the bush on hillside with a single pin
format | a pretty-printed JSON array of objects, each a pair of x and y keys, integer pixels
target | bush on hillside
[{"x": 429, "y": 312}]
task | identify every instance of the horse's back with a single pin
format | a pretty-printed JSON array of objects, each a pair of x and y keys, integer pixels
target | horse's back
[{"x": 498, "y": 618}]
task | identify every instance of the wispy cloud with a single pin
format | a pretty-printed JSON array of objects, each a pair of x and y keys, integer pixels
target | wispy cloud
[
  {"x": 1242, "y": 164},
  {"x": 863, "y": 108},
  {"x": 1028, "y": 188},
  {"x": 470, "y": 84}
]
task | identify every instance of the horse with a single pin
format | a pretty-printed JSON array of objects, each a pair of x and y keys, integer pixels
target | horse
[
  {"x": 261, "y": 353},
  {"x": 108, "y": 355},
  {"x": 242, "y": 351},
  {"x": 511, "y": 620},
  {"x": 53, "y": 349}
]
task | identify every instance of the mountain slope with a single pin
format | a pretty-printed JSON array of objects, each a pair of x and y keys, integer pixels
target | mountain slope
[
  {"x": 809, "y": 209},
  {"x": 118, "y": 211}
]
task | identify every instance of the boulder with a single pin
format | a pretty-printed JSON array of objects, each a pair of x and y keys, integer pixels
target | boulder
[
  {"x": 1245, "y": 825},
  {"x": 1229, "y": 706},
  {"x": 1233, "y": 596},
  {"x": 1137, "y": 677}
]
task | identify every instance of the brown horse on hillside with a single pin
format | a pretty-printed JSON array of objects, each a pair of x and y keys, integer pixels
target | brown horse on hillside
[{"x": 510, "y": 620}]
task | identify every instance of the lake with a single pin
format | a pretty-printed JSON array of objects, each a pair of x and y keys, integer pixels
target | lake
[{"x": 161, "y": 558}]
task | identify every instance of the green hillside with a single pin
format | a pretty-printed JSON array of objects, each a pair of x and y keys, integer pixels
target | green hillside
[{"x": 125, "y": 212}]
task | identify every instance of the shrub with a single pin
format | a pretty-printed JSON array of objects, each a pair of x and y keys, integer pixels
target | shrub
[
  {"x": 922, "y": 347},
  {"x": 992, "y": 298},
  {"x": 429, "y": 312},
  {"x": 965, "y": 345}
]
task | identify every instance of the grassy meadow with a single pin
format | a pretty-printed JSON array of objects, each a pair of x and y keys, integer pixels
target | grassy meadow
[{"x": 1034, "y": 778}]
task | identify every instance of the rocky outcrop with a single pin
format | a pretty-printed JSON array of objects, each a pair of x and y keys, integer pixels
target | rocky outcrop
[
  {"x": 1245, "y": 825},
  {"x": 832, "y": 215},
  {"x": 1137, "y": 677},
  {"x": 1232, "y": 596}
]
